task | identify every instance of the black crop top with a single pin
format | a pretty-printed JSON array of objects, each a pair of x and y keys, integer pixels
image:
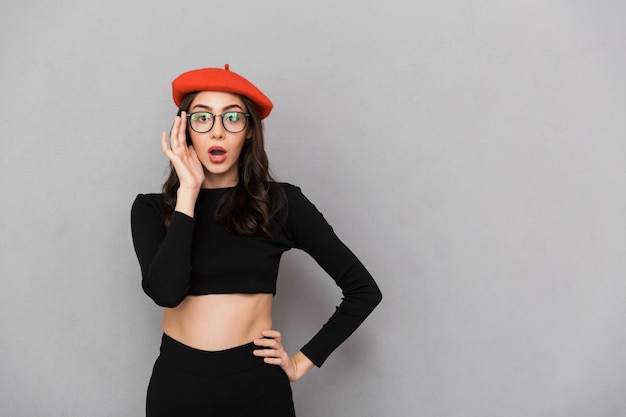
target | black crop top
[{"x": 197, "y": 257}]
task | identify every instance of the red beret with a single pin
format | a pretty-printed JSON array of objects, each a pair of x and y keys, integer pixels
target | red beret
[{"x": 217, "y": 79}]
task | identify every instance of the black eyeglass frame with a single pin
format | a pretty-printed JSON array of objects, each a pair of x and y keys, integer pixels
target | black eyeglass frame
[{"x": 221, "y": 116}]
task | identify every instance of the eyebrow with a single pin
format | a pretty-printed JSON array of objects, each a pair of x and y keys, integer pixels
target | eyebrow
[{"x": 209, "y": 108}]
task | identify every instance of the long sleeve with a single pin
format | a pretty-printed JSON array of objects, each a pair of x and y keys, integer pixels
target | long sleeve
[
  {"x": 312, "y": 233},
  {"x": 164, "y": 256}
]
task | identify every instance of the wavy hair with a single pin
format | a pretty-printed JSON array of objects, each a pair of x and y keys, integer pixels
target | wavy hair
[{"x": 250, "y": 206}]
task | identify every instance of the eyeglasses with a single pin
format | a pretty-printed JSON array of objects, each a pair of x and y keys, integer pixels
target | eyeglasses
[{"x": 203, "y": 121}]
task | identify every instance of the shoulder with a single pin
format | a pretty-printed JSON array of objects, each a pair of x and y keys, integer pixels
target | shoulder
[
  {"x": 305, "y": 224},
  {"x": 298, "y": 205},
  {"x": 151, "y": 202},
  {"x": 291, "y": 191},
  {"x": 149, "y": 199},
  {"x": 295, "y": 198},
  {"x": 286, "y": 186}
]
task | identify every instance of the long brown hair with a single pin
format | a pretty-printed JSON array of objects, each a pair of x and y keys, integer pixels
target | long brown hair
[{"x": 249, "y": 208}]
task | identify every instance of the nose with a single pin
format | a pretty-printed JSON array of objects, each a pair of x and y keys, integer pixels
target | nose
[{"x": 217, "y": 131}]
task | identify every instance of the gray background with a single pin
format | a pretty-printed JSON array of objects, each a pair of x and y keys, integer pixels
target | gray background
[{"x": 470, "y": 152}]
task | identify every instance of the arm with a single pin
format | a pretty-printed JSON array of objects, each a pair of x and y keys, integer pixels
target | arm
[
  {"x": 312, "y": 233},
  {"x": 165, "y": 256}
]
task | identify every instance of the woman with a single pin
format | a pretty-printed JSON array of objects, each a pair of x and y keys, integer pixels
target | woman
[{"x": 209, "y": 249}]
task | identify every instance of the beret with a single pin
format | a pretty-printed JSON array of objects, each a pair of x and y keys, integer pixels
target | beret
[{"x": 217, "y": 79}]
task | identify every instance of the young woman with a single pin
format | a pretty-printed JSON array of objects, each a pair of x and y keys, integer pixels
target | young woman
[{"x": 209, "y": 248}]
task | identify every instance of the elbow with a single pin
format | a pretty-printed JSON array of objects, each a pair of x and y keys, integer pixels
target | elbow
[
  {"x": 168, "y": 302},
  {"x": 375, "y": 297},
  {"x": 379, "y": 296},
  {"x": 367, "y": 298},
  {"x": 166, "y": 299}
]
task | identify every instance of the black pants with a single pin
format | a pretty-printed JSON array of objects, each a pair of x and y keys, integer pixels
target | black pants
[{"x": 188, "y": 382}]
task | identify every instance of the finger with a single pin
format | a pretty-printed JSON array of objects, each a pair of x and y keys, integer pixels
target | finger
[
  {"x": 164, "y": 145},
  {"x": 193, "y": 154},
  {"x": 175, "y": 141},
  {"x": 267, "y": 353},
  {"x": 268, "y": 343},
  {"x": 182, "y": 129},
  {"x": 274, "y": 334},
  {"x": 273, "y": 361},
  {"x": 277, "y": 355}
]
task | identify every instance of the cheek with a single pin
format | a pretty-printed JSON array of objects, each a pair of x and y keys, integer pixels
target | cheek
[{"x": 242, "y": 144}]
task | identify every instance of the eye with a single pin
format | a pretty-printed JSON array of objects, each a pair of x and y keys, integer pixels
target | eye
[
  {"x": 232, "y": 117},
  {"x": 201, "y": 117}
]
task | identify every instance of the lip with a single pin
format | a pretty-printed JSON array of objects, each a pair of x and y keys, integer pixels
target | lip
[{"x": 217, "y": 158}]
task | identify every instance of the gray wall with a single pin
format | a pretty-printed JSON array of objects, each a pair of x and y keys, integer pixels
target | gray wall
[{"x": 471, "y": 153}]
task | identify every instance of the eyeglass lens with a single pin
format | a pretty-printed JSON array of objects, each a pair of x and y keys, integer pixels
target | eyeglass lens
[{"x": 202, "y": 122}]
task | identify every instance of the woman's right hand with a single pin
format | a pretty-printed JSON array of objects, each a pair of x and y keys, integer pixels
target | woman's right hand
[{"x": 183, "y": 157}]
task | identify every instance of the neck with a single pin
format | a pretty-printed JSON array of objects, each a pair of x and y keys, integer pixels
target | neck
[{"x": 218, "y": 181}]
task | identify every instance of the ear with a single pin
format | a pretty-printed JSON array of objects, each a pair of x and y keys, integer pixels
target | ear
[{"x": 249, "y": 135}]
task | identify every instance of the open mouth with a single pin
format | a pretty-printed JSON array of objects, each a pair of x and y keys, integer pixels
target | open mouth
[{"x": 217, "y": 154}]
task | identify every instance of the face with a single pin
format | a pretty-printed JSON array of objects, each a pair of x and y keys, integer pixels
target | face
[{"x": 218, "y": 149}]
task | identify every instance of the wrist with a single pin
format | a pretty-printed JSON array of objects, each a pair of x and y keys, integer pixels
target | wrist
[
  {"x": 302, "y": 364},
  {"x": 184, "y": 190},
  {"x": 186, "y": 200}
]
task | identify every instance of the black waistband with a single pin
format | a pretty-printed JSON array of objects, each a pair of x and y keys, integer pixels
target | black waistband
[{"x": 209, "y": 363}]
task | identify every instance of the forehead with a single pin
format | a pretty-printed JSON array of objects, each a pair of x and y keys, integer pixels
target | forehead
[{"x": 216, "y": 100}]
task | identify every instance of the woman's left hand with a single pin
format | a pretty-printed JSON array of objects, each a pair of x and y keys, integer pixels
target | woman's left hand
[{"x": 275, "y": 354}]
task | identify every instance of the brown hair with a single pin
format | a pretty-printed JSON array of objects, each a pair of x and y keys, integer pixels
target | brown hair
[{"x": 255, "y": 200}]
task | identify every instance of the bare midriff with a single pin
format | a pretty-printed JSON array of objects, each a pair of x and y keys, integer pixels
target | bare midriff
[{"x": 219, "y": 321}]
